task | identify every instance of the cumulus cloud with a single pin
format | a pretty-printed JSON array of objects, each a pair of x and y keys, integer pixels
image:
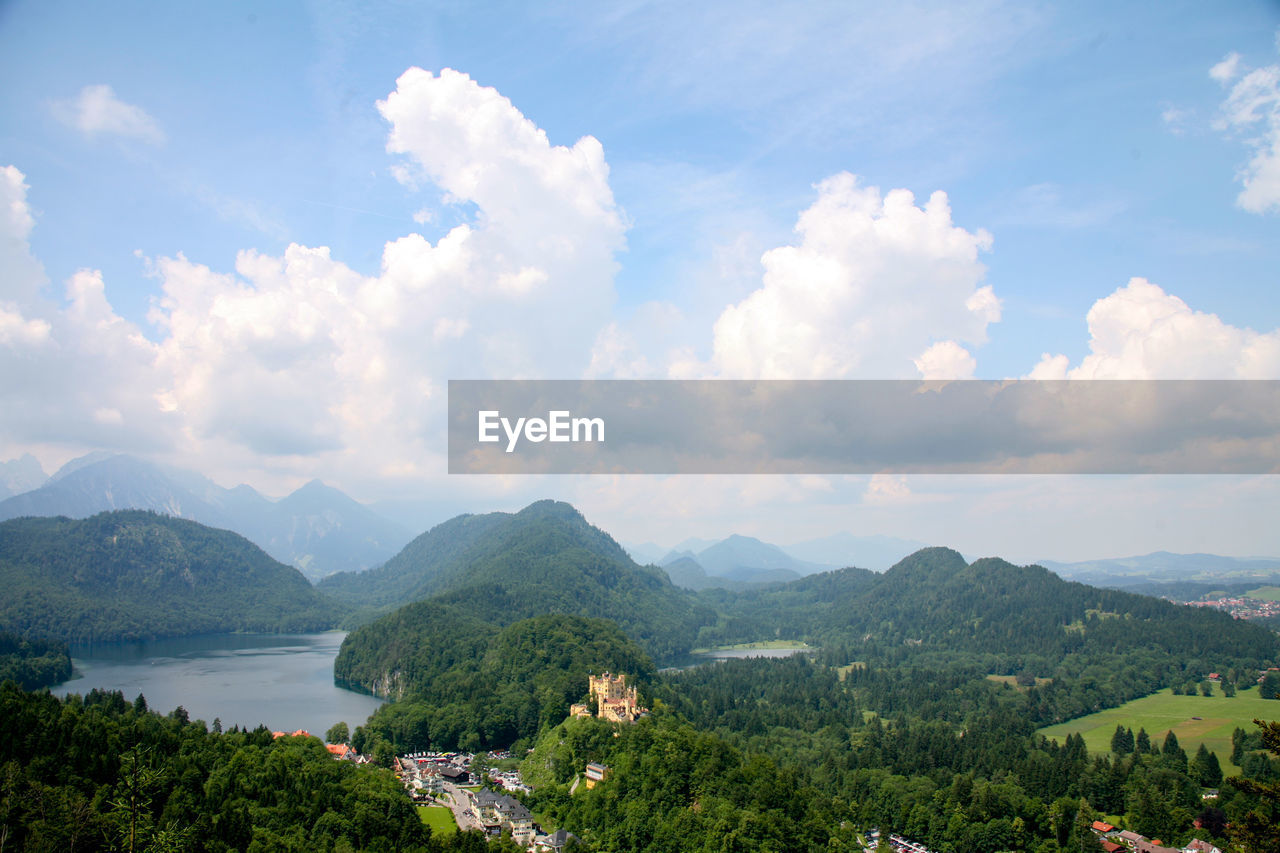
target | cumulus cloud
[
  {"x": 873, "y": 282},
  {"x": 1252, "y": 111},
  {"x": 74, "y": 372},
  {"x": 1142, "y": 332},
  {"x": 301, "y": 356},
  {"x": 946, "y": 360},
  {"x": 96, "y": 111},
  {"x": 292, "y": 358}
]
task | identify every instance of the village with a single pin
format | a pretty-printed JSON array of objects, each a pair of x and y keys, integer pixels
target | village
[
  {"x": 480, "y": 797},
  {"x": 466, "y": 783},
  {"x": 1241, "y": 607}
]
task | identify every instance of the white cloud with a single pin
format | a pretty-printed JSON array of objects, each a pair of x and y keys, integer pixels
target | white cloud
[
  {"x": 1176, "y": 119},
  {"x": 1226, "y": 69},
  {"x": 294, "y": 361},
  {"x": 299, "y": 356},
  {"x": 1252, "y": 109},
  {"x": 1142, "y": 332},
  {"x": 75, "y": 373},
  {"x": 946, "y": 360},
  {"x": 23, "y": 276},
  {"x": 97, "y": 111},
  {"x": 872, "y": 283}
]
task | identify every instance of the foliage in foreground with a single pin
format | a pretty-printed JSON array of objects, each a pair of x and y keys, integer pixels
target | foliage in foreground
[
  {"x": 99, "y": 774},
  {"x": 33, "y": 663}
]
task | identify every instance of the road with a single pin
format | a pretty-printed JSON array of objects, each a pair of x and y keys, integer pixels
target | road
[{"x": 460, "y": 804}]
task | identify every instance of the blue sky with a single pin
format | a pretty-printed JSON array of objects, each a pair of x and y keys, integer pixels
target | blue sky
[{"x": 1079, "y": 146}]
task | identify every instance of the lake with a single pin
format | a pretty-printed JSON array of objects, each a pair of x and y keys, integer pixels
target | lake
[
  {"x": 282, "y": 681},
  {"x": 717, "y": 655}
]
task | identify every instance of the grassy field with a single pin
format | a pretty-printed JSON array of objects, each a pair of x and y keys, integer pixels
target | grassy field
[
  {"x": 1266, "y": 593},
  {"x": 1163, "y": 712},
  {"x": 439, "y": 818}
]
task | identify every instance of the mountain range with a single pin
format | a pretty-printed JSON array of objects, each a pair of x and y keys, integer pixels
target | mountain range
[
  {"x": 317, "y": 528},
  {"x": 738, "y": 561},
  {"x": 133, "y": 574},
  {"x": 545, "y": 559},
  {"x": 1164, "y": 567},
  {"x": 21, "y": 475}
]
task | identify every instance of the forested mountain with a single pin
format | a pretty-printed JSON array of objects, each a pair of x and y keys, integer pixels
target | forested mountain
[
  {"x": 134, "y": 574},
  {"x": 318, "y": 529},
  {"x": 33, "y": 663},
  {"x": 463, "y": 683},
  {"x": 933, "y": 598},
  {"x": 544, "y": 559}
]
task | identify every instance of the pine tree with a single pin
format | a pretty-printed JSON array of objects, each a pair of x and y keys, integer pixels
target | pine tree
[
  {"x": 1259, "y": 830},
  {"x": 1122, "y": 741},
  {"x": 1143, "y": 742},
  {"x": 1174, "y": 754},
  {"x": 1205, "y": 768}
]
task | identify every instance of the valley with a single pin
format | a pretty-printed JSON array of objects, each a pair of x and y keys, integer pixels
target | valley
[{"x": 841, "y": 701}]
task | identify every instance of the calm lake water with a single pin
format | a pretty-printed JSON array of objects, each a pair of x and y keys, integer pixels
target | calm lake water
[
  {"x": 282, "y": 681},
  {"x": 717, "y": 655}
]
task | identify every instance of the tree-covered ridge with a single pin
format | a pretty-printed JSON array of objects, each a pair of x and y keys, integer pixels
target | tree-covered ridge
[
  {"x": 422, "y": 568},
  {"x": 100, "y": 774},
  {"x": 33, "y": 663},
  {"x": 135, "y": 574},
  {"x": 993, "y": 785},
  {"x": 933, "y": 598},
  {"x": 463, "y": 684},
  {"x": 544, "y": 559}
]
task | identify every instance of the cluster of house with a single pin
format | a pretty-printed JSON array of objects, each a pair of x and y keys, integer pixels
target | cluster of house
[
  {"x": 614, "y": 700},
  {"x": 497, "y": 812},
  {"x": 1127, "y": 841},
  {"x": 1241, "y": 607},
  {"x": 423, "y": 774}
]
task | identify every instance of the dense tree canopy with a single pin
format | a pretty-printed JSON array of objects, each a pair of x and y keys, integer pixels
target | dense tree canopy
[{"x": 134, "y": 574}]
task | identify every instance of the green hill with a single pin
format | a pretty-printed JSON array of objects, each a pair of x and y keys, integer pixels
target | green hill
[
  {"x": 135, "y": 574},
  {"x": 545, "y": 559},
  {"x": 460, "y": 682},
  {"x": 933, "y": 598}
]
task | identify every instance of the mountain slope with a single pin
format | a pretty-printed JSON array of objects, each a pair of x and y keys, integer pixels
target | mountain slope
[
  {"x": 21, "y": 475},
  {"x": 544, "y": 559},
  {"x": 935, "y": 599},
  {"x": 134, "y": 574},
  {"x": 746, "y": 558},
  {"x": 317, "y": 528}
]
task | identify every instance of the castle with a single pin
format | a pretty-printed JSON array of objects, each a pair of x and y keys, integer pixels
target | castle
[{"x": 615, "y": 701}]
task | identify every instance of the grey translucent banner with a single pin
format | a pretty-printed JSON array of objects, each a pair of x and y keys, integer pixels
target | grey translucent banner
[{"x": 864, "y": 427}]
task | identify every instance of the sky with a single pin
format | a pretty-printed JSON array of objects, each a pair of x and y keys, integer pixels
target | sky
[{"x": 257, "y": 240}]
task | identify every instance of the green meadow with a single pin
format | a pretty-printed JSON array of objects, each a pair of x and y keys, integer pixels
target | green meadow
[
  {"x": 1163, "y": 712},
  {"x": 439, "y": 818}
]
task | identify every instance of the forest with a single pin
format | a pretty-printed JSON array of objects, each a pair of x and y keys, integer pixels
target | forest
[
  {"x": 101, "y": 773},
  {"x": 469, "y": 687},
  {"x": 133, "y": 574},
  {"x": 33, "y": 663},
  {"x": 916, "y": 711}
]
